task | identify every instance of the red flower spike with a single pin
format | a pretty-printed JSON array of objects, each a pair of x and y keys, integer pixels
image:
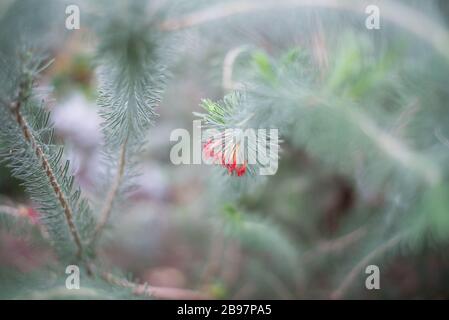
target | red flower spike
[
  {"x": 241, "y": 170},
  {"x": 220, "y": 158}
]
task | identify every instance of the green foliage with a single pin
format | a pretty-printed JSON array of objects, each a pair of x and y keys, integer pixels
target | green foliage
[
  {"x": 368, "y": 111},
  {"x": 132, "y": 73},
  {"x": 20, "y": 154},
  {"x": 365, "y": 116},
  {"x": 223, "y": 114}
]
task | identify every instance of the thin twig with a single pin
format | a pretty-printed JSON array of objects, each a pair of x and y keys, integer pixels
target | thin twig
[
  {"x": 335, "y": 245},
  {"x": 228, "y": 66},
  {"x": 155, "y": 292},
  {"x": 389, "y": 144},
  {"x": 319, "y": 47},
  {"x": 441, "y": 138},
  {"x": 401, "y": 15},
  {"x": 112, "y": 194},
  {"x": 397, "y": 150},
  {"x": 406, "y": 116},
  {"x": 15, "y": 108},
  {"x": 352, "y": 275}
]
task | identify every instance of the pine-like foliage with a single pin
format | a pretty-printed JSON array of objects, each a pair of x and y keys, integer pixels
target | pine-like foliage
[
  {"x": 362, "y": 118},
  {"x": 132, "y": 71},
  {"x": 29, "y": 150}
]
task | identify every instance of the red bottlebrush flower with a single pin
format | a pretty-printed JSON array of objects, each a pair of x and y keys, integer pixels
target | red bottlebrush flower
[
  {"x": 241, "y": 170},
  {"x": 229, "y": 162},
  {"x": 209, "y": 151}
]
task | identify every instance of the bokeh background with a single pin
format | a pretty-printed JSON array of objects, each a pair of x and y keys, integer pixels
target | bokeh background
[{"x": 297, "y": 234}]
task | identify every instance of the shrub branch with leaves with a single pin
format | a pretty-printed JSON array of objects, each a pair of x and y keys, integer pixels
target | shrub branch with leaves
[{"x": 363, "y": 113}]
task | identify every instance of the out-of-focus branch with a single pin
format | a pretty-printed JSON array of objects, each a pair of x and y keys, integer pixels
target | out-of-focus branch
[
  {"x": 228, "y": 67},
  {"x": 335, "y": 245},
  {"x": 401, "y": 15},
  {"x": 155, "y": 292},
  {"x": 352, "y": 275},
  {"x": 112, "y": 194},
  {"x": 439, "y": 135},
  {"x": 397, "y": 150}
]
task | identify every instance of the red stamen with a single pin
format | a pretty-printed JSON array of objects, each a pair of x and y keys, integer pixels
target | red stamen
[{"x": 220, "y": 158}]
